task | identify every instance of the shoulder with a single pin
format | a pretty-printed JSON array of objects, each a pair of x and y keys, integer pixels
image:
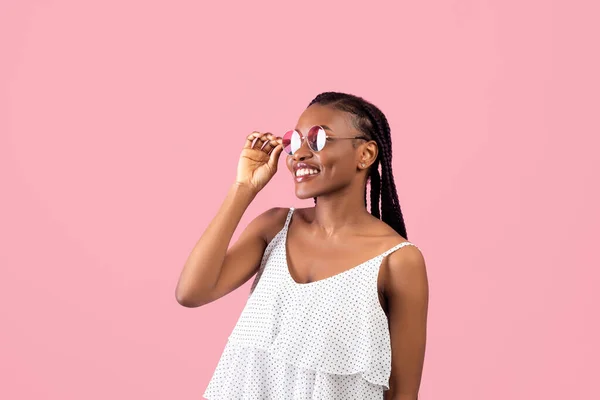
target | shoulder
[
  {"x": 382, "y": 233},
  {"x": 405, "y": 272},
  {"x": 270, "y": 222}
]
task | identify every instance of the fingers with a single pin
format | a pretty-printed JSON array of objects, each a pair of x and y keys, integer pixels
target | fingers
[
  {"x": 270, "y": 143},
  {"x": 261, "y": 140},
  {"x": 265, "y": 141},
  {"x": 250, "y": 139},
  {"x": 274, "y": 156}
]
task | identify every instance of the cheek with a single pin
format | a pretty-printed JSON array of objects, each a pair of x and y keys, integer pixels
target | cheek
[
  {"x": 288, "y": 162},
  {"x": 339, "y": 164}
]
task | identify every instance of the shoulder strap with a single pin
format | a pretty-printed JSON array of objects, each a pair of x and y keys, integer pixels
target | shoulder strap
[
  {"x": 288, "y": 219},
  {"x": 396, "y": 247}
]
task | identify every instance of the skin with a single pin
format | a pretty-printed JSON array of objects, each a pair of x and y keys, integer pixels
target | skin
[{"x": 331, "y": 237}]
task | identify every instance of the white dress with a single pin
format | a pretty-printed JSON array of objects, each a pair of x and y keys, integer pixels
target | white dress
[{"x": 327, "y": 339}]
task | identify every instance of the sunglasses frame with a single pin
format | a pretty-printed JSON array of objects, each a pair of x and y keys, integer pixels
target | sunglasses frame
[{"x": 305, "y": 138}]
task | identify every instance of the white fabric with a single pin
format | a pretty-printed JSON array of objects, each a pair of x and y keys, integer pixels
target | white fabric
[{"x": 327, "y": 339}]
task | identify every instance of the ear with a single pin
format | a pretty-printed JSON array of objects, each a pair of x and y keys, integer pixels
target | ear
[{"x": 368, "y": 154}]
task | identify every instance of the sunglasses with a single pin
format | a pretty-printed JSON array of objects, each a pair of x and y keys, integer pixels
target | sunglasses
[{"x": 316, "y": 138}]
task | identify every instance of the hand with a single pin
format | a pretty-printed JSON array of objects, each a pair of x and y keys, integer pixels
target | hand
[{"x": 258, "y": 161}]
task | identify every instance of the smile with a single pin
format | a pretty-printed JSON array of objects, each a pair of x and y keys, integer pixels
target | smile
[
  {"x": 306, "y": 171},
  {"x": 304, "y": 174}
]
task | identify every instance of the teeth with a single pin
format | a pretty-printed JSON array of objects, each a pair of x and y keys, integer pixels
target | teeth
[{"x": 306, "y": 171}]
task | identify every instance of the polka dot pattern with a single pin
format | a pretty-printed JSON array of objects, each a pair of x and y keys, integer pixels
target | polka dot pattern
[{"x": 326, "y": 339}]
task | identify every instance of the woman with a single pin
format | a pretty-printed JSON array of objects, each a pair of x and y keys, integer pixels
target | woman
[{"x": 335, "y": 310}]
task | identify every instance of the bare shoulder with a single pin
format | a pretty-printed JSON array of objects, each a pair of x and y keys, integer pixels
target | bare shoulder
[
  {"x": 383, "y": 233},
  {"x": 270, "y": 222},
  {"x": 405, "y": 270}
]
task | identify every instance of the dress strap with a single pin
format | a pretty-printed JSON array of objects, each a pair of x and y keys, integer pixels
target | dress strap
[
  {"x": 288, "y": 219},
  {"x": 396, "y": 247}
]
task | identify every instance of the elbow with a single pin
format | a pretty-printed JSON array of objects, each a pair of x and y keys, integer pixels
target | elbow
[{"x": 185, "y": 300}]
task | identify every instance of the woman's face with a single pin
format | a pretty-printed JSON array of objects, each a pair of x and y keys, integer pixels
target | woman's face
[{"x": 336, "y": 164}]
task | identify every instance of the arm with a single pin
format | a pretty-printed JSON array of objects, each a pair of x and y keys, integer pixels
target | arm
[
  {"x": 211, "y": 270},
  {"x": 407, "y": 291},
  {"x": 210, "y": 257}
]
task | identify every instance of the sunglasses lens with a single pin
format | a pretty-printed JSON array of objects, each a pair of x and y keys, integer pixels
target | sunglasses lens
[
  {"x": 316, "y": 138},
  {"x": 291, "y": 141}
]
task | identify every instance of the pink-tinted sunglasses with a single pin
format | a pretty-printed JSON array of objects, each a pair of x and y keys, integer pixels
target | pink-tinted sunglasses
[{"x": 316, "y": 137}]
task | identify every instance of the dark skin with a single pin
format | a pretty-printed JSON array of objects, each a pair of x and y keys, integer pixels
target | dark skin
[{"x": 337, "y": 234}]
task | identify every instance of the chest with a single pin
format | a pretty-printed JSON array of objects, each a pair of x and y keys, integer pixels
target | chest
[{"x": 311, "y": 261}]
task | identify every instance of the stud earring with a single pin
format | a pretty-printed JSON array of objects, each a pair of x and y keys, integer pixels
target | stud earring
[{"x": 362, "y": 165}]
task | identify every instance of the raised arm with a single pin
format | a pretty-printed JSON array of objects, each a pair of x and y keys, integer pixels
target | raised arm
[{"x": 212, "y": 270}]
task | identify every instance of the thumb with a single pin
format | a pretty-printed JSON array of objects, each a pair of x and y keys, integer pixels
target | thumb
[{"x": 274, "y": 157}]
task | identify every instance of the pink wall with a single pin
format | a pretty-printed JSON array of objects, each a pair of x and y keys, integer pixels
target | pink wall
[{"x": 120, "y": 127}]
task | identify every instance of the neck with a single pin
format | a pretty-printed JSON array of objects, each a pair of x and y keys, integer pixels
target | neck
[{"x": 341, "y": 211}]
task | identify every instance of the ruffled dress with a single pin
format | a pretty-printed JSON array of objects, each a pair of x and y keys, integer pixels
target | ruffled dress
[{"x": 327, "y": 339}]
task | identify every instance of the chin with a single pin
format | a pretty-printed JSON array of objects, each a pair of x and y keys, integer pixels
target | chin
[
  {"x": 308, "y": 190},
  {"x": 306, "y": 194}
]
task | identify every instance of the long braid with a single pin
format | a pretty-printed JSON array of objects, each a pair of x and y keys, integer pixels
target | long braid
[
  {"x": 372, "y": 122},
  {"x": 375, "y": 191},
  {"x": 390, "y": 206}
]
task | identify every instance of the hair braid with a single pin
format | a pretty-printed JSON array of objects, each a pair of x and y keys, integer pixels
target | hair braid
[
  {"x": 375, "y": 191},
  {"x": 390, "y": 206},
  {"x": 372, "y": 122}
]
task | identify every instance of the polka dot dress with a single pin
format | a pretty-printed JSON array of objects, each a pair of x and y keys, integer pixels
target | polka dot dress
[{"x": 326, "y": 339}]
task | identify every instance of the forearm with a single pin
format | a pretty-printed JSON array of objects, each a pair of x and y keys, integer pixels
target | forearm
[{"x": 203, "y": 266}]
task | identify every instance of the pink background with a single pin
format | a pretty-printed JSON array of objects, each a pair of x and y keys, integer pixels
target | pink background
[{"x": 121, "y": 123}]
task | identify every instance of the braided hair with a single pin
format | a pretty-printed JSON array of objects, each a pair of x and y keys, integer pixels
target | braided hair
[{"x": 372, "y": 122}]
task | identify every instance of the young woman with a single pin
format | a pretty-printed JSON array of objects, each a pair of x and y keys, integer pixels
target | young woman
[{"x": 338, "y": 307}]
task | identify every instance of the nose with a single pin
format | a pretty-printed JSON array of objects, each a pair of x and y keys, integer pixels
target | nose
[{"x": 303, "y": 153}]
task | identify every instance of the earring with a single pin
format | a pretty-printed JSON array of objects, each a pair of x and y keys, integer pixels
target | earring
[{"x": 362, "y": 165}]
